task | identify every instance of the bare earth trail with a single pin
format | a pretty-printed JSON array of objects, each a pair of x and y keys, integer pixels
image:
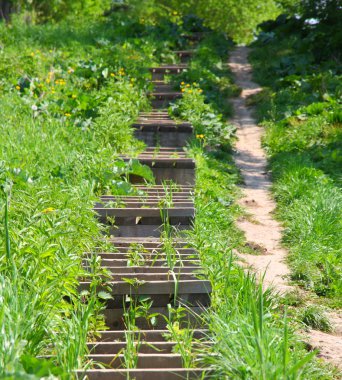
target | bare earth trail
[{"x": 261, "y": 229}]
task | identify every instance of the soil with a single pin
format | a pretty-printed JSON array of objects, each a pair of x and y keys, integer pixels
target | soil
[{"x": 260, "y": 228}]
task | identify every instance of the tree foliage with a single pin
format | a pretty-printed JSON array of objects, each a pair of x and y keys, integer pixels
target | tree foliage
[
  {"x": 45, "y": 10},
  {"x": 238, "y": 19}
]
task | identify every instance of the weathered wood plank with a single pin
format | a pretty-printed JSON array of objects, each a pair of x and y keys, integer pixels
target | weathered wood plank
[
  {"x": 143, "y": 374},
  {"x": 156, "y": 287}
]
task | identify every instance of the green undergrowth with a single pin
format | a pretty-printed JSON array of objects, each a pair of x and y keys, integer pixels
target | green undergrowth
[
  {"x": 208, "y": 68},
  {"x": 69, "y": 93},
  {"x": 301, "y": 111},
  {"x": 252, "y": 336}
]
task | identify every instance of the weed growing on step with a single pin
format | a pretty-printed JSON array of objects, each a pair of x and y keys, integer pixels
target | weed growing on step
[
  {"x": 183, "y": 338},
  {"x": 136, "y": 255}
]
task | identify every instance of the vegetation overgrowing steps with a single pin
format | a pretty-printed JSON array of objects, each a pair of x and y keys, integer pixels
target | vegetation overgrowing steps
[
  {"x": 158, "y": 73},
  {"x": 184, "y": 55},
  {"x": 141, "y": 265},
  {"x": 166, "y": 164},
  {"x": 161, "y": 131},
  {"x": 143, "y": 216}
]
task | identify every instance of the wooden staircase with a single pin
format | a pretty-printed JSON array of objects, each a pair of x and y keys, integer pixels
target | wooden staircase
[{"x": 144, "y": 265}]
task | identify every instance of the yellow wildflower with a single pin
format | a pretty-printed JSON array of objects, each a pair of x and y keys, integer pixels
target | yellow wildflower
[
  {"x": 47, "y": 210},
  {"x": 188, "y": 85},
  {"x": 199, "y": 136},
  {"x": 74, "y": 96},
  {"x": 71, "y": 70},
  {"x": 32, "y": 54},
  {"x": 17, "y": 87},
  {"x": 112, "y": 74},
  {"x": 67, "y": 114},
  {"x": 182, "y": 83},
  {"x": 200, "y": 91},
  {"x": 60, "y": 82},
  {"x": 183, "y": 89}
]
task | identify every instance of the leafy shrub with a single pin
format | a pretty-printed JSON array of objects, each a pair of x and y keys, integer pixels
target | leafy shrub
[
  {"x": 314, "y": 317},
  {"x": 209, "y": 125}
]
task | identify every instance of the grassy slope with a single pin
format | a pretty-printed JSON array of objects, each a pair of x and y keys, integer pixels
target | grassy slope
[
  {"x": 64, "y": 161},
  {"x": 302, "y": 115},
  {"x": 251, "y": 335},
  {"x": 69, "y": 93}
]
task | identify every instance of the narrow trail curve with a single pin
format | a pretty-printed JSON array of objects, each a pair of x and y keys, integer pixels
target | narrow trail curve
[{"x": 261, "y": 229}]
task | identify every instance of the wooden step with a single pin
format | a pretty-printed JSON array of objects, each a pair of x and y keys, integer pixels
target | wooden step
[
  {"x": 166, "y": 164},
  {"x": 160, "y": 85},
  {"x": 164, "y": 133},
  {"x": 160, "y": 98},
  {"x": 158, "y": 73},
  {"x": 144, "y": 360},
  {"x": 149, "y": 270},
  {"x": 150, "y": 250},
  {"x": 184, "y": 287},
  {"x": 156, "y": 191},
  {"x": 156, "y": 276},
  {"x": 194, "y": 36},
  {"x": 114, "y": 348},
  {"x": 162, "y": 125},
  {"x": 146, "y": 335},
  {"x": 148, "y": 211},
  {"x": 184, "y": 55},
  {"x": 110, "y": 262},
  {"x": 142, "y": 346},
  {"x": 144, "y": 374},
  {"x": 146, "y": 242},
  {"x": 148, "y": 230},
  {"x": 175, "y": 198},
  {"x": 169, "y": 68},
  {"x": 114, "y": 318}
]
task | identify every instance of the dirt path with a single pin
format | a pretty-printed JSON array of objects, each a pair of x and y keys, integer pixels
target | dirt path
[{"x": 262, "y": 231}]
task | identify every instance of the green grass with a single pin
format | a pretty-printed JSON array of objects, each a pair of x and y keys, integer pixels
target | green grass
[
  {"x": 69, "y": 93},
  {"x": 251, "y": 333},
  {"x": 301, "y": 112}
]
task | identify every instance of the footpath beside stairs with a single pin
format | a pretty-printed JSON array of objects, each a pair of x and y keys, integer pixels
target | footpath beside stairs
[{"x": 141, "y": 265}]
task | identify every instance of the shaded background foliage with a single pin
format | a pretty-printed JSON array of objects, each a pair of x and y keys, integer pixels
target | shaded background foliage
[{"x": 239, "y": 19}]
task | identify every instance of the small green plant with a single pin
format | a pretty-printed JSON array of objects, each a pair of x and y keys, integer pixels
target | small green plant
[
  {"x": 183, "y": 337},
  {"x": 315, "y": 317},
  {"x": 136, "y": 255}
]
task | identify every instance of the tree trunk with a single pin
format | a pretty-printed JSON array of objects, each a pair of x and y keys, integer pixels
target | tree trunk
[{"x": 6, "y": 7}]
